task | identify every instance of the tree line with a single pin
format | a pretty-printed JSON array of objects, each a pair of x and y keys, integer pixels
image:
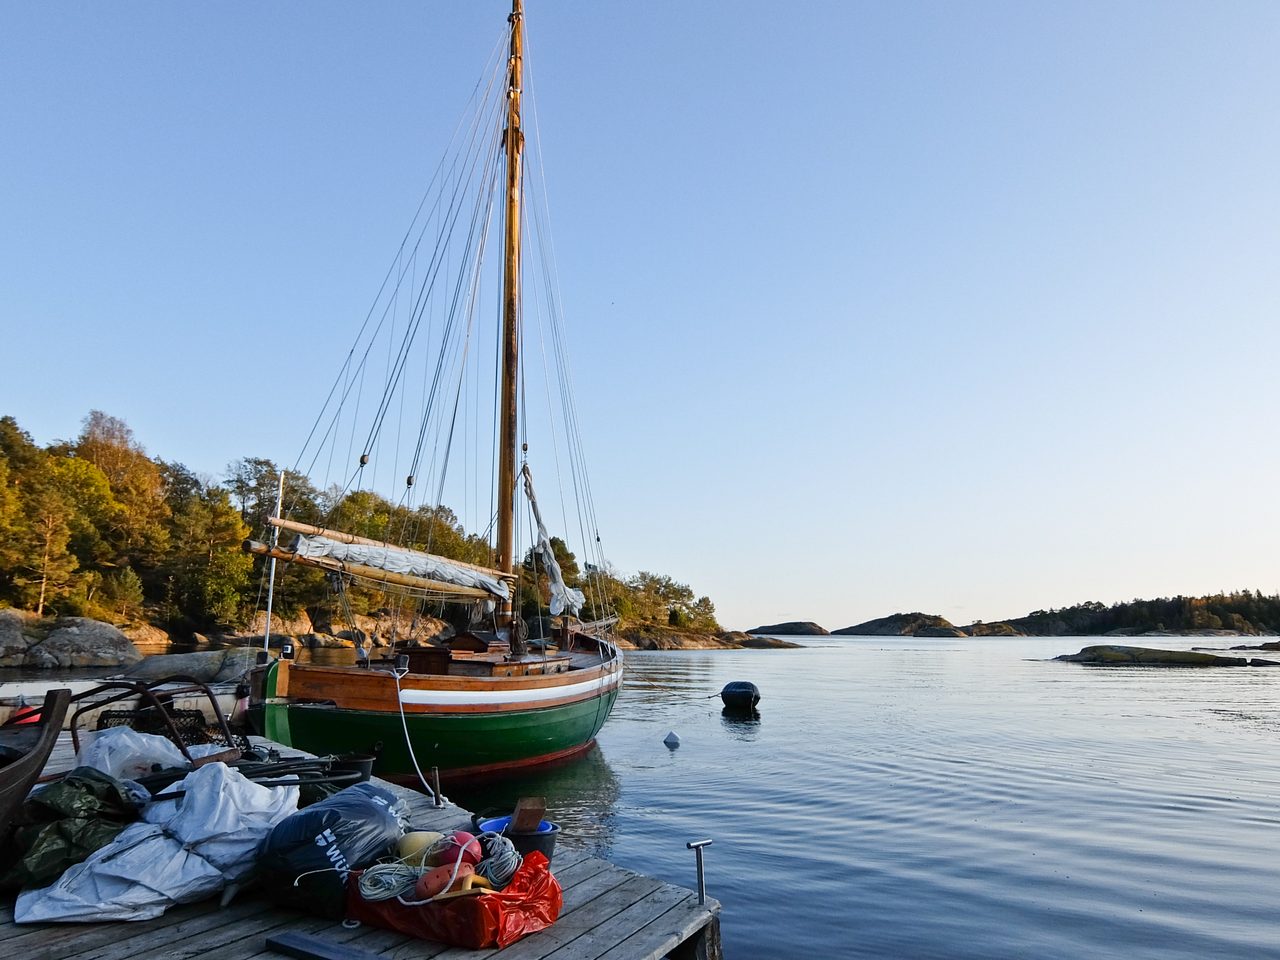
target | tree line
[
  {"x": 1244, "y": 611},
  {"x": 96, "y": 527}
]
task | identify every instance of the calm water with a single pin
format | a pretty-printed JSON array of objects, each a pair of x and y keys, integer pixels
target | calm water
[{"x": 946, "y": 798}]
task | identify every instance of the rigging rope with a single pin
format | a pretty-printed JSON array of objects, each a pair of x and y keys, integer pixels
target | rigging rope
[
  {"x": 587, "y": 520},
  {"x": 496, "y": 63},
  {"x": 404, "y": 311}
]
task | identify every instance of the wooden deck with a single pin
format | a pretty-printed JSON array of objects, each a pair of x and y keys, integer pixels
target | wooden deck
[{"x": 610, "y": 913}]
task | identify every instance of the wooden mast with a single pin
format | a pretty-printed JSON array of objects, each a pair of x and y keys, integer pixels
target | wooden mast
[{"x": 507, "y": 431}]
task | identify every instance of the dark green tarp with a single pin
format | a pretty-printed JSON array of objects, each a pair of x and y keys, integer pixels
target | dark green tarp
[{"x": 64, "y": 822}]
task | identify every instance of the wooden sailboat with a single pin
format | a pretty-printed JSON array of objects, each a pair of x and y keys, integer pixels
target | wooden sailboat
[{"x": 488, "y": 705}]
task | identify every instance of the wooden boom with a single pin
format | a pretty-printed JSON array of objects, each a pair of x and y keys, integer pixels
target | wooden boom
[
  {"x": 314, "y": 531},
  {"x": 367, "y": 573}
]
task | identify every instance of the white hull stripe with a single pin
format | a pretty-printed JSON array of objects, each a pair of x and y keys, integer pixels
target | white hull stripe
[{"x": 450, "y": 698}]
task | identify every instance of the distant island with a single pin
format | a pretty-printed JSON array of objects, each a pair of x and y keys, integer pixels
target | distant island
[
  {"x": 792, "y": 628},
  {"x": 1241, "y": 613}
]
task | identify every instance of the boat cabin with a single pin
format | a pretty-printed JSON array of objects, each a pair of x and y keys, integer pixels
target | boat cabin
[
  {"x": 477, "y": 641},
  {"x": 497, "y": 665},
  {"x": 494, "y": 662}
]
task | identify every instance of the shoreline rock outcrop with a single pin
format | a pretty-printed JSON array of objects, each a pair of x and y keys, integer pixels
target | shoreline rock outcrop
[
  {"x": 29, "y": 641},
  {"x": 791, "y": 628},
  {"x": 655, "y": 637},
  {"x": 1118, "y": 656},
  {"x": 903, "y": 625},
  {"x": 208, "y": 666}
]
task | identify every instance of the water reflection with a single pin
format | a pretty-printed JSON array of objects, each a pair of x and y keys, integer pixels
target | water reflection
[
  {"x": 741, "y": 724},
  {"x": 581, "y": 796},
  {"x": 328, "y": 656},
  {"x": 651, "y": 684}
]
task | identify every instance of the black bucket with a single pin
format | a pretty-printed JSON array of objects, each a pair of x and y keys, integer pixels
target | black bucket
[
  {"x": 361, "y": 763},
  {"x": 525, "y": 841}
]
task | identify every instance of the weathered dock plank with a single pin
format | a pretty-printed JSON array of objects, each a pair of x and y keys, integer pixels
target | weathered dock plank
[
  {"x": 609, "y": 913},
  {"x": 593, "y": 906},
  {"x": 681, "y": 924},
  {"x": 106, "y": 941}
]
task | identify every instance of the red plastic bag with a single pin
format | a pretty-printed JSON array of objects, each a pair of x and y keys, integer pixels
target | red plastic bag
[{"x": 495, "y": 918}]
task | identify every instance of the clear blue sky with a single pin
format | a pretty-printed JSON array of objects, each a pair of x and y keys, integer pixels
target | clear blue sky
[{"x": 962, "y": 307}]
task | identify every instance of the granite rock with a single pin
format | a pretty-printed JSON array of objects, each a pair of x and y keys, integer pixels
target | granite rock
[
  {"x": 208, "y": 666},
  {"x": 81, "y": 642},
  {"x": 1111, "y": 655}
]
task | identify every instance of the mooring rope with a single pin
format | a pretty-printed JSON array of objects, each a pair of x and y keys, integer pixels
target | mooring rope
[{"x": 408, "y": 742}]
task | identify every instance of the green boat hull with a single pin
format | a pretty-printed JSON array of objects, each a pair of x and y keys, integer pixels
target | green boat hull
[{"x": 456, "y": 743}]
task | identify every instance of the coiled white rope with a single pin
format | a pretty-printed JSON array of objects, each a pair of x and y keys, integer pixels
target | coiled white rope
[
  {"x": 502, "y": 861},
  {"x": 383, "y": 881}
]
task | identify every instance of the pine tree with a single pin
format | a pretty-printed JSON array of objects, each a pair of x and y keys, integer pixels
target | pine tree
[{"x": 47, "y": 566}]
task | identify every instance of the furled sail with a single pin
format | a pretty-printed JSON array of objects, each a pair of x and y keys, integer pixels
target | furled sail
[
  {"x": 402, "y": 561},
  {"x": 563, "y": 597}
]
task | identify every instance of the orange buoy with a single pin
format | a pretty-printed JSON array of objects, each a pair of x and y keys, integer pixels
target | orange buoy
[
  {"x": 447, "y": 849},
  {"x": 436, "y": 880}
]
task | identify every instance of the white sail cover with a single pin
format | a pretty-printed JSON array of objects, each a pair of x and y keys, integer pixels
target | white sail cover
[
  {"x": 399, "y": 560},
  {"x": 562, "y": 597}
]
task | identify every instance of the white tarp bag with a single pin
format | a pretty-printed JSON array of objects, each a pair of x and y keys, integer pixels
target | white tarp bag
[
  {"x": 126, "y": 754},
  {"x": 186, "y": 850}
]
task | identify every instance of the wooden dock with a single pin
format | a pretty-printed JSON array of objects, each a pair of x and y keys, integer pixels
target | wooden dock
[{"x": 609, "y": 913}]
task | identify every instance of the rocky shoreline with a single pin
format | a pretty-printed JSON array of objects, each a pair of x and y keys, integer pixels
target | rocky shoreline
[
  {"x": 73, "y": 642},
  {"x": 1119, "y": 656},
  {"x": 650, "y": 637},
  {"x": 30, "y": 641}
]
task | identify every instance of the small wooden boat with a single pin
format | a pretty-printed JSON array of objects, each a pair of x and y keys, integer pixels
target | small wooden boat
[
  {"x": 25, "y": 745},
  {"x": 740, "y": 695}
]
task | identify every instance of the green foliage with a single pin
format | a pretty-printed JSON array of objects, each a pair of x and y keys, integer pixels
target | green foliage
[
  {"x": 702, "y": 616},
  {"x": 138, "y": 531},
  {"x": 181, "y": 486},
  {"x": 646, "y": 598},
  {"x": 1245, "y": 611},
  {"x": 97, "y": 526},
  {"x": 121, "y": 594},
  {"x": 206, "y": 571},
  {"x": 254, "y": 484},
  {"x": 9, "y": 517},
  {"x": 17, "y": 448},
  {"x": 607, "y": 595},
  {"x": 93, "y": 508},
  {"x": 656, "y": 598},
  {"x": 45, "y": 567}
]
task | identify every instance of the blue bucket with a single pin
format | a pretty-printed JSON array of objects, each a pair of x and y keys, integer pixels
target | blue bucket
[{"x": 525, "y": 841}]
